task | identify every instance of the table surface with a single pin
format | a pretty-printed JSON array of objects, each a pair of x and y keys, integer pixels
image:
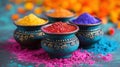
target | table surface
[{"x": 6, "y": 32}]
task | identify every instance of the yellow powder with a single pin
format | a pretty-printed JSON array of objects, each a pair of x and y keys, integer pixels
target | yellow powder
[
  {"x": 60, "y": 12},
  {"x": 31, "y": 20}
]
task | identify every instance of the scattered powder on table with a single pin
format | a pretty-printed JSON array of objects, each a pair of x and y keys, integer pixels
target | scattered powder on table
[
  {"x": 86, "y": 18},
  {"x": 31, "y": 20},
  {"x": 38, "y": 57},
  {"x": 60, "y": 13},
  {"x": 111, "y": 31},
  {"x": 104, "y": 46},
  {"x": 60, "y": 27},
  {"x": 106, "y": 58}
]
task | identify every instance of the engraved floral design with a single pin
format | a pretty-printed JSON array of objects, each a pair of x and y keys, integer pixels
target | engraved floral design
[{"x": 90, "y": 34}]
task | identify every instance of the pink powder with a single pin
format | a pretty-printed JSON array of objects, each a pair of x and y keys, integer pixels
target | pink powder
[
  {"x": 41, "y": 57},
  {"x": 107, "y": 57}
]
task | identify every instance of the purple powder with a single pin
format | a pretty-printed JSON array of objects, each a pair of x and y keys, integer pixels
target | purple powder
[
  {"x": 41, "y": 57},
  {"x": 86, "y": 18}
]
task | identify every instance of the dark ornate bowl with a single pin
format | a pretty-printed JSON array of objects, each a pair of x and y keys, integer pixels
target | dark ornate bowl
[
  {"x": 88, "y": 34},
  {"x": 60, "y": 45},
  {"x": 29, "y": 36}
]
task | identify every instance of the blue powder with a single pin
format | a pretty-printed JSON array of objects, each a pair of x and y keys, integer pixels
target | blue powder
[
  {"x": 86, "y": 18},
  {"x": 104, "y": 46}
]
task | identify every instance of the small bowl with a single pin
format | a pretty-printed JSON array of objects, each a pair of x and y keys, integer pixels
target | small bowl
[
  {"x": 60, "y": 45},
  {"x": 57, "y": 19},
  {"x": 88, "y": 34},
  {"x": 29, "y": 36}
]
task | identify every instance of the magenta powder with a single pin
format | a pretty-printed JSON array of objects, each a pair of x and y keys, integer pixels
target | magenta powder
[{"x": 41, "y": 57}]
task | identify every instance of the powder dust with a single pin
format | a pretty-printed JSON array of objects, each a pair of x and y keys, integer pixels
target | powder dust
[{"x": 38, "y": 57}]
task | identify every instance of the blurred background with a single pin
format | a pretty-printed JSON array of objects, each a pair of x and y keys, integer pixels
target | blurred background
[
  {"x": 100, "y": 8},
  {"x": 11, "y": 10}
]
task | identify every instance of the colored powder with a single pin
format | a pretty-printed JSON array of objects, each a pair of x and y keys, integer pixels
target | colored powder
[
  {"x": 111, "y": 31},
  {"x": 86, "y": 18},
  {"x": 29, "y": 6},
  {"x": 106, "y": 58},
  {"x": 60, "y": 27},
  {"x": 60, "y": 13},
  {"x": 8, "y": 6},
  {"x": 31, "y": 20},
  {"x": 21, "y": 10},
  {"x": 104, "y": 46},
  {"x": 39, "y": 57},
  {"x": 38, "y": 10},
  {"x": 118, "y": 25},
  {"x": 15, "y": 16}
]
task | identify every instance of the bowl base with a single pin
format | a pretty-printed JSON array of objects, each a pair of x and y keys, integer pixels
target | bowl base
[
  {"x": 30, "y": 47},
  {"x": 86, "y": 45},
  {"x": 54, "y": 56}
]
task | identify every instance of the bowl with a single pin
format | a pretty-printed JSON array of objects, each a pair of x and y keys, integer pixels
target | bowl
[
  {"x": 60, "y": 45},
  {"x": 29, "y": 37},
  {"x": 88, "y": 34}
]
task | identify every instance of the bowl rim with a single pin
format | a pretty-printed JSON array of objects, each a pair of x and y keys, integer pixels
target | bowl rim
[
  {"x": 99, "y": 23},
  {"x": 15, "y": 23},
  {"x": 42, "y": 29}
]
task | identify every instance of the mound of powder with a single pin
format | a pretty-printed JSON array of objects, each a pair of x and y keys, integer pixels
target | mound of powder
[
  {"x": 60, "y": 27},
  {"x": 86, "y": 18},
  {"x": 38, "y": 57},
  {"x": 61, "y": 13},
  {"x": 104, "y": 46},
  {"x": 31, "y": 20}
]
